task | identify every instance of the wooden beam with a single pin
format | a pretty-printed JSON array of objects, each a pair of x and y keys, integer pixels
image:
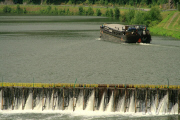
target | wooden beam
[
  {"x": 43, "y": 99},
  {"x": 125, "y": 102},
  {"x": 63, "y": 100},
  {"x": 53, "y": 107},
  {"x": 32, "y": 98},
  {"x": 73, "y": 98},
  {"x": 179, "y": 102},
  {"x": 12, "y": 98},
  {"x": 22, "y": 98},
  {"x": 94, "y": 90},
  {"x": 135, "y": 92},
  {"x": 146, "y": 101},
  {"x": 168, "y": 100},
  {"x": 114, "y": 105},
  {"x": 83, "y": 99},
  {"x": 157, "y": 102},
  {"x": 2, "y": 92}
]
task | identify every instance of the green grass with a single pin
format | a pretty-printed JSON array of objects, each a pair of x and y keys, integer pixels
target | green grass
[{"x": 166, "y": 28}]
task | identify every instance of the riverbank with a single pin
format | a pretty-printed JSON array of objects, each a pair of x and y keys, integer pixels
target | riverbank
[{"x": 169, "y": 26}]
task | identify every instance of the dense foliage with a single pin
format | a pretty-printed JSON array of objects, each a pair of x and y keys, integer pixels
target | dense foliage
[
  {"x": 149, "y": 18},
  {"x": 103, "y": 2}
]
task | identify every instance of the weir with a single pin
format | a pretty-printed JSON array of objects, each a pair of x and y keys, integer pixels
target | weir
[{"x": 91, "y": 97}]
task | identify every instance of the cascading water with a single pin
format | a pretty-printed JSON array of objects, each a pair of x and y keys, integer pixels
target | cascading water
[
  {"x": 101, "y": 108},
  {"x": 38, "y": 104},
  {"x": 90, "y": 102},
  {"x": 162, "y": 109},
  {"x": 28, "y": 105},
  {"x": 110, "y": 104},
  {"x": 131, "y": 105},
  {"x": 47, "y": 102},
  {"x": 79, "y": 105},
  {"x": 121, "y": 104}
]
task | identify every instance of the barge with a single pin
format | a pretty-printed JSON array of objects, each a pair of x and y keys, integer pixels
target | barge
[{"x": 125, "y": 33}]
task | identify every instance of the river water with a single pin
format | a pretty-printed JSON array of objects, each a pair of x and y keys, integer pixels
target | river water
[{"x": 61, "y": 49}]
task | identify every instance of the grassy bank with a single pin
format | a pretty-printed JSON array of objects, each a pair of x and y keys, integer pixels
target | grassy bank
[{"x": 169, "y": 26}]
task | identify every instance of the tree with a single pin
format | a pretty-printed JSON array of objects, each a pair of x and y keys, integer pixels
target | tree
[
  {"x": 98, "y": 12},
  {"x": 90, "y": 11},
  {"x": 155, "y": 14},
  {"x": 81, "y": 11},
  {"x": 111, "y": 14},
  {"x": 117, "y": 13},
  {"x": 129, "y": 16}
]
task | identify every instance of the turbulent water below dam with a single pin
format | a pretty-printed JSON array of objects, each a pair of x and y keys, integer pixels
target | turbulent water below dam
[{"x": 61, "y": 49}]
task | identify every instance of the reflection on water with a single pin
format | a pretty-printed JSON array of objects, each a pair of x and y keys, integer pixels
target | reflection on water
[{"x": 52, "y": 50}]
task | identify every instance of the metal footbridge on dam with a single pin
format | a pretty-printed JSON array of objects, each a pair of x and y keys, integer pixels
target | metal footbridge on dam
[{"x": 93, "y": 97}]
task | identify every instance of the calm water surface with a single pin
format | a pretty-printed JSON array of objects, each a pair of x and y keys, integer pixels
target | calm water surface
[{"x": 61, "y": 49}]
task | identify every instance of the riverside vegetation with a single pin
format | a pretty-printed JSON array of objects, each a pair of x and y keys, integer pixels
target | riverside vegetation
[{"x": 161, "y": 23}]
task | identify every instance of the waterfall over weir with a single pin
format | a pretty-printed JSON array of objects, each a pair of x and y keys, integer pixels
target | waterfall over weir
[{"x": 103, "y": 99}]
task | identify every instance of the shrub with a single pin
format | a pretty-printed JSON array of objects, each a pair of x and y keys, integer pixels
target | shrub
[
  {"x": 117, "y": 13},
  {"x": 18, "y": 9},
  {"x": 155, "y": 14},
  {"x": 129, "y": 16},
  {"x": 24, "y": 11},
  {"x": 111, "y": 13},
  {"x": 107, "y": 13},
  {"x": 6, "y": 9},
  {"x": 179, "y": 6},
  {"x": 98, "y": 12},
  {"x": 55, "y": 11},
  {"x": 48, "y": 9},
  {"x": 90, "y": 11},
  {"x": 138, "y": 18},
  {"x": 81, "y": 11}
]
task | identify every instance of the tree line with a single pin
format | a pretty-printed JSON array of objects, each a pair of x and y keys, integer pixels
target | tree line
[
  {"x": 102, "y": 2},
  {"x": 149, "y": 18}
]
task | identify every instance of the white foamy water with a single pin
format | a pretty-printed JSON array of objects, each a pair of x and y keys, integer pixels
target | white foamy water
[
  {"x": 101, "y": 108},
  {"x": 28, "y": 105},
  {"x": 79, "y": 104},
  {"x": 90, "y": 102},
  {"x": 88, "y": 113},
  {"x": 132, "y": 106},
  {"x": 110, "y": 104}
]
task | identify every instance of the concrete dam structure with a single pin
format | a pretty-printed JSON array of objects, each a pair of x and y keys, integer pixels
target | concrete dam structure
[{"x": 156, "y": 99}]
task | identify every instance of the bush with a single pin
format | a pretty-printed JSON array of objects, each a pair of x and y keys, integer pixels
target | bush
[
  {"x": 24, "y": 11},
  {"x": 6, "y": 9},
  {"x": 90, "y": 11},
  {"x": 111, "y": 13},
  {"x": 179, "y": 6},
  {"x": 117, "y": 13},
  {"x": 18, "y": 9},
  {"x": 155, "y": 14},
  {"x": 107, "y": 13},
  {"x": 55, "y": 11},
  {"x": 48, "y": 9},
  {"x": 129, "y": 16},
  {"x": 138, "y": 18},
  {"x": 98, "y": 12},
  {"x": 81, "y": 11}
]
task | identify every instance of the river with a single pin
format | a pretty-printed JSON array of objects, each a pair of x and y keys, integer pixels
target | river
[{"x": 61, "y": 49}]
